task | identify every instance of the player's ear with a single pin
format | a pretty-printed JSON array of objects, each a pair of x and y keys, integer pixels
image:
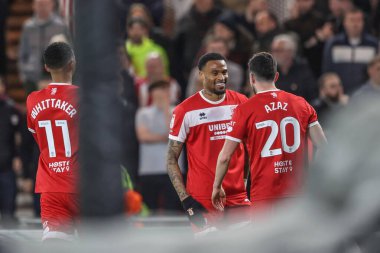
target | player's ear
[
  {"x": 252, "y": 78},
  {"x": 201, "y": 75},
  {"x": 276, "y": 77},
  {"x": 46, "y": 68},
  {"x": 71, "y": 65}
]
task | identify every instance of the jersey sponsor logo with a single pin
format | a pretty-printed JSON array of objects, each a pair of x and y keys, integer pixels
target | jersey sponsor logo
[
  {"x": 60, "y": 167},
  {"x": 274, "y": 94},
  {"x": 283, "y": 166},
  {"x": 219, "y": 130}
]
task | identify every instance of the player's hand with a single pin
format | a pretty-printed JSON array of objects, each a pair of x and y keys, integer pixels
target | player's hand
[
  {"x": 194, "y": 211},
  {"x": 218, "y": 198}
]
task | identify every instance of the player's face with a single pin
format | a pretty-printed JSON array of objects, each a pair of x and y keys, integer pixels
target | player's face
[
  {"x": 374, "y": 72},
  {"x": 214, "y": 77}
]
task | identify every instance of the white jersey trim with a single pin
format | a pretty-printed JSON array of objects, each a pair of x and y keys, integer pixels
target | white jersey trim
[
  {"x": 264, "y": 91},
  {"x": 313, "y": 124},
  {"x": 59, "y": 83},
  {"x": 209, "y": 115},
  {"x": 176, "y": 138},
  {"x": 31, "y": 130},
  {"x": 210, "y": 101},
  {"x": 232, "y": 139}
]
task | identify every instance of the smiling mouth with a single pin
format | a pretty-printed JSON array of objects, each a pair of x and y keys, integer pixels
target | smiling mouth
[{"x": 220, "y": 85}]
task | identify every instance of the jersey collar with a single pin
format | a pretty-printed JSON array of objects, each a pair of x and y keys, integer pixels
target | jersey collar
[
  {"x": 59, "y": 83},
  {"x": 264, "y": 91},
  {"x": 210, "y": 101}
]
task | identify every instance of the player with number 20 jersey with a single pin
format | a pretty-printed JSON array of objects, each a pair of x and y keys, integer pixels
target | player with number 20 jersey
[{"x": 274, "y": 126}]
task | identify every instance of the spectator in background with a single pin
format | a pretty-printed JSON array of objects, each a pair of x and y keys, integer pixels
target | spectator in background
[
  {"x": 371, "y": 88},
  {"x": 155, "y": 69},
  {"x": 35, "y": 37},
  {"x": 310, "y": 27},
  {"x": 161, "y": 35},
  {"x": 348, "y": 53},
  {"x": 152, "y": 128},
  {"x": 247, "y": 19},
  {"x": 337, "y": 9},
  {"x": 9, "y": 125},
  {"x": 238, "y": 41},
  {"x": 295, "y": 75},
  {"x": 331, "y": 97},
  {"x": 235, "y": 71},
  {"x": 267, "y": 27},
  {"x": 191, "y": 30},
  {"x": 139, "y": 46}
]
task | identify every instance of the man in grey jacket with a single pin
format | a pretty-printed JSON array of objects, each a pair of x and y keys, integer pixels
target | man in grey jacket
[{"x": 36, "y": 35}]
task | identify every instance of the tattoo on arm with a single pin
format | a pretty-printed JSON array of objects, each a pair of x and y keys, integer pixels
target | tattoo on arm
[{"x": 174, "y": 172}]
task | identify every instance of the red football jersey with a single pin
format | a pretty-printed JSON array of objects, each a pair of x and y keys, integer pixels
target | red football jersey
[
  {"x": 52, "y": 115},
  {"x": 274, "y": 126},
  {"x": 202, "y": 124}
]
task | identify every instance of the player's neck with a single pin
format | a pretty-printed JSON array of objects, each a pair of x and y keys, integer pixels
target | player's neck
[
  {"x": 212, "y": 96},
  {"x": 61, "y": 78},
  {"x": 262, "y": 87}
]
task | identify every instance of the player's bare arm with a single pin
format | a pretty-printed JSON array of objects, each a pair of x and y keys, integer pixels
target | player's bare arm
[
  {"x": 218, "y": 197},
  {"x": 174, "y": 172},
  {"x": 246, "y": 165},
  {"x": 317, "y": 136}
]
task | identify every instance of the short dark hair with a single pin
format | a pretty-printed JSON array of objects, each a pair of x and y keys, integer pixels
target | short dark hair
[
  {"x": 263, "y": 66},
  {"x": 209, "y": 57},
  {"x": 158, "y": 85},
  {"x": 352, "y": 10},
  {"x": 57, "y": 55}
]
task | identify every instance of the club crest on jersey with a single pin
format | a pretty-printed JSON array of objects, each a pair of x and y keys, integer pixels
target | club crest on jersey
[
  {"x": 202, "y": 115},
  {"x": 53, "y": 91},
  {"x": 274, "y": 95}
]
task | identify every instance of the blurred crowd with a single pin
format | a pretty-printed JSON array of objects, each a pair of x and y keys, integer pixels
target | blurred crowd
[{"x": 327, "y": 52}]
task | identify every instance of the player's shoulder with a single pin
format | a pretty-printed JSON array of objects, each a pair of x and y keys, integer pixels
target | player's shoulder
[
  {"x": 191, "y": 103},
  {"x": 236, "y": 95},
  {"x": 33, "y": 95},
  {"x": 293, "y": 96}
]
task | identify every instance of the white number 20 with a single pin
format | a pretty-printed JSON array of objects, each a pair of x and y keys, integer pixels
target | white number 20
[
  {"x": 267, "y": 152},
  {"x": 50, "y": 139}
]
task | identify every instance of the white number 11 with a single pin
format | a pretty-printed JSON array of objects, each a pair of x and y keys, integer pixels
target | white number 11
[{"x": 50, "y": 139}]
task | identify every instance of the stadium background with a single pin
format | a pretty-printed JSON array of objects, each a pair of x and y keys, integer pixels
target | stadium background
[{"x": 169, "y": 28}]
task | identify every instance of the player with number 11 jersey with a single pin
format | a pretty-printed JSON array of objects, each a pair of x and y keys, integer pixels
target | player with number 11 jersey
[{"x": 53, "y": 119}]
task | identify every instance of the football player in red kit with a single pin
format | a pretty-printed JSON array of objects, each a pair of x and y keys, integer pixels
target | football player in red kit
[
  {"x": 274, "y": 125},
  {"x": 52, "y": 116},
  {"x": 201, "y": 122}
]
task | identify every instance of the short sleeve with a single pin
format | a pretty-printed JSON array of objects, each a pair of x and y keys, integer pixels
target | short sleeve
[
  {"x": 313, "y": 118},
  {"x": 237, "y": 130},
  {"x": 141, "y": 118},
  {"x": 30, "y": 122},
  {"x": 179, "y": 127}
]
